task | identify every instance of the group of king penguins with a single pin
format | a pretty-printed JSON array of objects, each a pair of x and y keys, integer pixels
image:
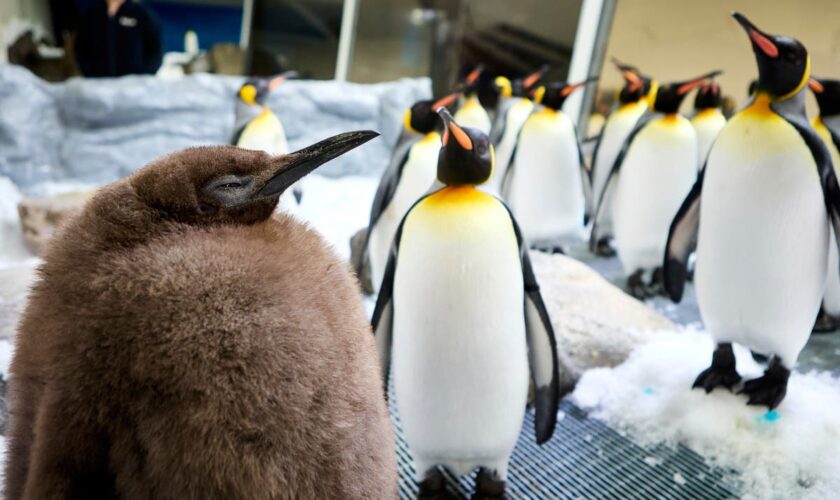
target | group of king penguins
[{"x": 459, "y": 320}]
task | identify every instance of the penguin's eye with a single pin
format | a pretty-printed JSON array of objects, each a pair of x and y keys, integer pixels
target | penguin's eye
[{"x": 231, "y": 185}]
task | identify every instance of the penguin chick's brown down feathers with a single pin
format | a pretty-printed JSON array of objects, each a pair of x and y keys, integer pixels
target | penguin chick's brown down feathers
[{"x": 180, "y": 345}]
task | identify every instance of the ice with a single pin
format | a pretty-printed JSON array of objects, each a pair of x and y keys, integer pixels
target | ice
[{"x": 792, "y": 452}]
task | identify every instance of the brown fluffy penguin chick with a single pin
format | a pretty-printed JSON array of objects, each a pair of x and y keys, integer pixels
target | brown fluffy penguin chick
[{"x": 182, "y": 343}]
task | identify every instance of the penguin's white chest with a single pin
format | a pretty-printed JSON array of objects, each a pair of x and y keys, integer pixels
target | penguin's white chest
[
  {"x": 460, "y": 364},
  {"x": 657, "y": 173},
  {"x": 707, "y": 124},
  {"x": 473, "y": 115},
  {"x": 418, "y": 174},
  {"x": 264, "y": 133},
  {"x": 515, "y": 118},
  {"x": 763, "y": 239},
  {"x": 545, "y": 189}
]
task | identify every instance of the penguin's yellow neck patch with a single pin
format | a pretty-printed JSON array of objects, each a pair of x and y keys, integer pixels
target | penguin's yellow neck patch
[
  {"x": 451, "y": 196},
  {"x": 547, "y": 113},
  {"x": 671, "y": 118},
  {"x": 407, "y": 122},
  {"x": 431, "y": 137},
  {"x": 471, "y": 102},
  {"x": 706, "y": 113},
  {"x": 760, "y": 107}
]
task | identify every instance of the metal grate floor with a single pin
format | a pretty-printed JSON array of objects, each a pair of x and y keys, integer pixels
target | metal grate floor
[{"x": 586, "y": 459}]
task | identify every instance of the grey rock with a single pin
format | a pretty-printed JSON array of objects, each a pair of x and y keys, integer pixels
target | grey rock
[
  {"x": 40, "y": 216},
  {"x": 595, "y": 322}
]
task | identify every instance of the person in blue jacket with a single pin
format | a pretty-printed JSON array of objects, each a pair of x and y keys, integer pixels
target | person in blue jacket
[{"x": 118, "y": 37}]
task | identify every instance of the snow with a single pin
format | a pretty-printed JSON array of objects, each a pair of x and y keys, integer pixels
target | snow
[{"x": 793, "y": 452}]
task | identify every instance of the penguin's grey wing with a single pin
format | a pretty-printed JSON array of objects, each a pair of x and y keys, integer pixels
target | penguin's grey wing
[
  {"x": 497, "y": 131},
  {"x": 682, "y": 240},
  {"x": 598, "y": 141},
  {"x": 586, "y": 181},
  {"x": 610, "y": 181},
  {"x": 385, "y": 191},
  {"x": 825, "y": 169},
  {"x": 542, "y": 346}
]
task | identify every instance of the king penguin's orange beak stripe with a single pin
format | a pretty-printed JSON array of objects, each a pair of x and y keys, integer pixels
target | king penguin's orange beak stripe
[
  {"x": 816, "y": 86},
  {"x": 460, "y": 136},
  {"x": 275, "y": 82},
  {"x": 690, "y": 85},
  {"x": 633, "y": 78},
  {"x": 445, "y": 101},
  {"x": 532, "y": 78},
  {"x": 762, "y": 42},
  {"x": 473, "y": 76}
]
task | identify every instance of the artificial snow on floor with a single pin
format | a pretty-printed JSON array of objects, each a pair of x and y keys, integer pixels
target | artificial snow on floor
[{"x": 792, "y": 452}]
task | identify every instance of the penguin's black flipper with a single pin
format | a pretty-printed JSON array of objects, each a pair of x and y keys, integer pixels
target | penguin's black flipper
[
  {"x": 497, "y": 130},
  {"x": 682, "y": 240},
  {"x": 542, "y": 347},
  {"x": 386, "y": 189},
  {"x": 586, "y": 181},
  {"x": 619, "y": 159},
  {"x": 794, "y": 113}
]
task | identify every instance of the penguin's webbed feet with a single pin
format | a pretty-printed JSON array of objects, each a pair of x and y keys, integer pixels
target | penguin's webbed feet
[
  {"x": 488, "y": 486},
  {"x": 768, "y": 390},
  {"x": 722, "y": 373},
  {"x": 656, "y": 286},
  {"x": 636, "y": 285},
  {"x": 603, "y": 248},
  {"x": 433, "y": 486},
  {"x": 825, "y": 323},
  {"x": 549, "y": 248}
]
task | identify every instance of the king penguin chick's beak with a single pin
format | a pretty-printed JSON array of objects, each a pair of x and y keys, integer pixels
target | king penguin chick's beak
[
  {"x": 281, "y": 78},
  {"x": 295, "y": 165},
  {"x": 688, "y": 86},
  {"x": 452, "y": 129},
  {"x": 761, "y": 41}
]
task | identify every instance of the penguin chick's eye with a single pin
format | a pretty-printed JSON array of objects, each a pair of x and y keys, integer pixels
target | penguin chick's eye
[{"x": 231, "y": 185}]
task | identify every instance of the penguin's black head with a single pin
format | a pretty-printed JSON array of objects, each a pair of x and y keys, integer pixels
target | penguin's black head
[
  {"x": 255, "y": 90},
  {"x": 827, "y": 93},
  {"x": 470, "y": 83},
  {"x": 466, "y": 155},
  {"x": 636, "y": 86},
  {"x": 519, "y": 87},
  {"x": 670, "y": 96},
  {"x": 226, "y": 184},
  {"x": 753, "y": 86},
  {"x": 422, "y": 116},
  {"x": 554, "y": 94},
  {"x": 783, "y": 63},
  {"x": 708, "y": 96}
]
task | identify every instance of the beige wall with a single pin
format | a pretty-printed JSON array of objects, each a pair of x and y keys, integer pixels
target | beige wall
[{"x": 679, "y": 39}]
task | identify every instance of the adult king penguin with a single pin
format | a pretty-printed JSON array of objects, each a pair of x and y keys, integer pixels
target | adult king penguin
[
  {"x": 761, "y": 230},
  {"x": 461, "y": 311},
  {"x": 634, "y": 100},
  {"x": 547, "y": 185},
  {"x": 258, "y": 128},
  {"x": 827, "y": 126},
  {"x": 514, "y": 108},
  {"x": 652, "y": 173},
  {"x": 184, "y": 341},
  {"x": 708, "y": 119},
  {"x": 471, "y": 113},
  {"x": 410, "y": 175}
]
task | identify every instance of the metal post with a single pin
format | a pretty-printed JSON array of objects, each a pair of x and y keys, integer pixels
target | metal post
[
  {"x": 346, "y": 39},
  {"x": 247, "y": 21}
]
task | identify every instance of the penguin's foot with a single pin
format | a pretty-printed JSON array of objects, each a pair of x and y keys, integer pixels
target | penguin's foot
[
  {"x": 433, "y": 486},
  {"x": 656, "y": 285},
  {"x": 825, "y": 323},
  {"x": 488, "y": 486},
  {"x": 768, "y": 390},
  {"x": 603, "y": 248},
  {"x": 636, "y": 285},
  {"x": 722, "y": 373},
  {"x": 549, "y": 248},
  {"x": 758, "y": 357}
]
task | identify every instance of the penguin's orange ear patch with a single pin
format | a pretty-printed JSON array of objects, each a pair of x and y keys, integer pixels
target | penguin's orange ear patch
[
  {"x": 463, "y": 139},
  {"x": 815, "y": 86},
  {"x": 762, "y": 42}
]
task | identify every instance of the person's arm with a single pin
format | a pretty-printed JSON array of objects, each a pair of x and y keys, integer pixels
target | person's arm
[{"x": 152, "y": 42}]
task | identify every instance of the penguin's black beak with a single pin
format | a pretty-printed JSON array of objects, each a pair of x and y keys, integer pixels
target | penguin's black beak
[
  {"x": 686, "y": 87},
  {"x": 452, "y": 129},
  {"x": 298, "y": 164},
  {"x": 535, "y": 77},
  {"x": 761, "y": 41},
  {"x": 571, "y": 88}
]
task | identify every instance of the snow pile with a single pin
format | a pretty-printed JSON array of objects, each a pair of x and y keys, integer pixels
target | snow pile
[{"x": 792, "y": 452}]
